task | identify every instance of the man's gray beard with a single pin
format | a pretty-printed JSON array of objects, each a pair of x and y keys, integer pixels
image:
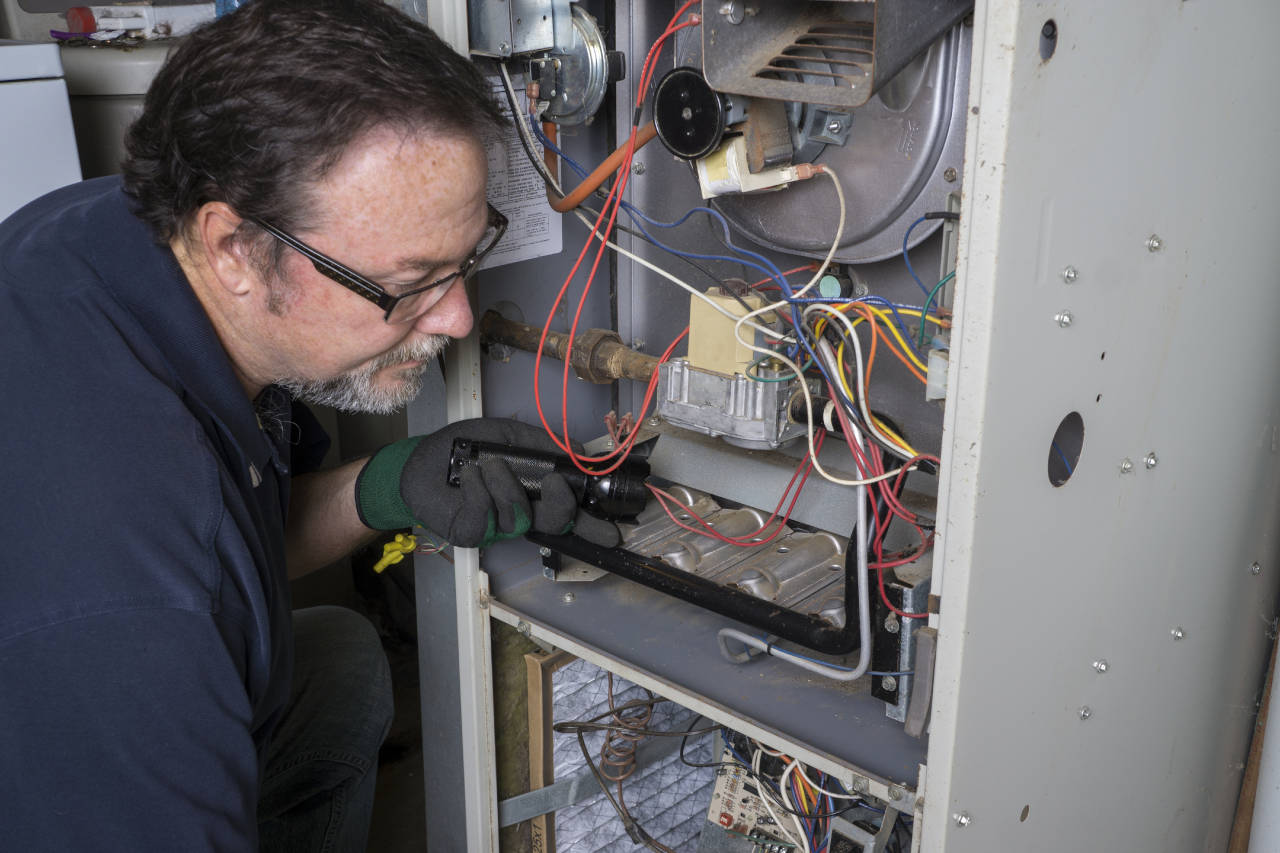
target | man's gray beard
[{"x": 355, "y": 390}]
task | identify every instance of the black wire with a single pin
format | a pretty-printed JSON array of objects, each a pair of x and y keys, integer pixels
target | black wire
[{"x": 766, "y": 783}]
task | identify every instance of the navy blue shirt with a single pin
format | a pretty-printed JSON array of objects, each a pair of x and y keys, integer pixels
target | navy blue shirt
[{"x": 145, "y": 641}]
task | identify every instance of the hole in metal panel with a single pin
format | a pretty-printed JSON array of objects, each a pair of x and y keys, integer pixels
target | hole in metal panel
[
  {"x": 1064, "y": 449},
  {"x": 1048, "y": 39}
]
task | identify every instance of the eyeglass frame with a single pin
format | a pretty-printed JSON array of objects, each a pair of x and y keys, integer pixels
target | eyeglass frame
[{"x": 370, "y": 289}]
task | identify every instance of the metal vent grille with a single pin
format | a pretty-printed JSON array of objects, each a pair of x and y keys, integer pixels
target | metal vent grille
[
  {"x": 818, "y": 53},
  {"x": 843, "y": 54}
]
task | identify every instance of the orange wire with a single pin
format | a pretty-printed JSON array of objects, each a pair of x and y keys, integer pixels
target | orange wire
[
  {"x": 613, "y": 200},
  {"x": 877, "y": 332}
]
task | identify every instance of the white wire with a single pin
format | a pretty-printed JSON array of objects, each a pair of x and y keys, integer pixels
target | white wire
[
  {"x": 809, "y": 779},
  {"x": 835, "y": 244},
  {"x": 678, "y": 281},
  {"x": 802, "y": 841},
  {"x": 804, "y": 386},
  {"x": 828, "y": 354},
  {"x": 786, "y": 796},
  {"x": 523, "y": 129}
]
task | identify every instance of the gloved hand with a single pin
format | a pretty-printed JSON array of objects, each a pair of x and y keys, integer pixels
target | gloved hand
[{"x": 407, "y": 483}]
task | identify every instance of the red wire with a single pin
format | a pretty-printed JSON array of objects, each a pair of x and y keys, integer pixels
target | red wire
[
  {"x": 611, "y": 205},
  {"x": 748, "y": 540},
  {"x": 792, "y": 271}
]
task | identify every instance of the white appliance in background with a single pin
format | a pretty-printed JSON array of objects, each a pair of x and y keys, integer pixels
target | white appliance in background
[{"x": 38, "y": 144}]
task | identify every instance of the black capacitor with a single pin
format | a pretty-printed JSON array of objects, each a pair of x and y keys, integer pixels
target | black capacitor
[
  {"x": 618, "y": 495},
  {"x": 689, "y": 115}
]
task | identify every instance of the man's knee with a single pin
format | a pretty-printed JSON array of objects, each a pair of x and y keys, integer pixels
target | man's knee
[{"x": 340, "y": 652}]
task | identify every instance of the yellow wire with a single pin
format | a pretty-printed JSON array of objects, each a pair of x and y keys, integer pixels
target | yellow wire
[
  {"x": 911, "y": 312},
  {"x": 844, "y": 382},
  {"x": 902, "y": 345}
]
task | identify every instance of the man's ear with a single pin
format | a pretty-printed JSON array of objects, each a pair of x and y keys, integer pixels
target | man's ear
[{"x": 215, "y": 224}]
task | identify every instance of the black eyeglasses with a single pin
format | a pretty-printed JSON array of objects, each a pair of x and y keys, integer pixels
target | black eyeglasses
[{"x": 400, "y": 307}]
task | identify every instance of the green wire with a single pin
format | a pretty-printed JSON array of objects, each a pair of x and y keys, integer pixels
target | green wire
[{"x": 924, "y": 312}]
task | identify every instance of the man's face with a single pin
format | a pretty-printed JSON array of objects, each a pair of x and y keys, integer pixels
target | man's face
[{"x": 400, "y": 210}]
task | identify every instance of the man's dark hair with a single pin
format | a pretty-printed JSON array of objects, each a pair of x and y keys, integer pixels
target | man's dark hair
[{"x": 255, "y": 107}]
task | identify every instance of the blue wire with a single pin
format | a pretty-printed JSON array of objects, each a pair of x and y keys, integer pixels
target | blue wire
[
  {"x": 906, "y": 257},
  {"x": 893, "y": 309},
  {"x": 769, "y": 268},
  {"x": 1063, "y": 457}
]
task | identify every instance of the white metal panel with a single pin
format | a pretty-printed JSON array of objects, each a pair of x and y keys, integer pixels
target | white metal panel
[
  {"x": 37, "y": 141},
  {"x": 1152, "y": 117}
]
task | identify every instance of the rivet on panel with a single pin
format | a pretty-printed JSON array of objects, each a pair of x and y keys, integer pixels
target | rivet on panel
[
  {"x": 1070, "y": 274},
  {"x": 1255, "y": 569},
  {"x": 962, "y": 819},
  {"x": 1126, "y": 467},
  {"x": 1101, "y": 666},
  {"x": 1085, "y": 712},
  {"x": 568, "y": 598},
  {"x": 1154, "y": 243},
  {"x": 1063, "y": 318},
  {"x": 1150, "y": 460},
  {"x": 1178, "y": 633}
]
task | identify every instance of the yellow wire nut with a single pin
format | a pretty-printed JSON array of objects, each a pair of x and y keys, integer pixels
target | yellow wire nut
[{"x": 394, "y": 551}]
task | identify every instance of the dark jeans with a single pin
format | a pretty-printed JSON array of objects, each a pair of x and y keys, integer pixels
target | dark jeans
[{"x": 322, "y": 764}]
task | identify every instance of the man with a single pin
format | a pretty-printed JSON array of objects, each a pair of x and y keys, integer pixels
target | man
[{"x": 153, "y": 333}]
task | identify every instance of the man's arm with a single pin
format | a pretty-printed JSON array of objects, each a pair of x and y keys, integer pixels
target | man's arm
[{"x": 323, "y": 525}]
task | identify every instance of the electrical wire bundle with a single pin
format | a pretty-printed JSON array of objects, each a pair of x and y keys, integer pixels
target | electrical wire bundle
[
  {"x": 817, "y": 337},
  {"x": 800, "y": 801}
]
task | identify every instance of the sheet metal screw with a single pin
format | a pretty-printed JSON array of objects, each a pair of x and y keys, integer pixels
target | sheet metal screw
[
  {"x": 962, "y": 819},
  {"x": 523, "y": 629},
  {"x": 1178, "y": 633},
  {"x": 1151, "y": 461},
  {"x": 1070, "y": 274},
  {"x": 1063, "y": 318},
  {"x": 1154, "y": 243},
  {"x": 654, "y": 421},
  {"x": 733, "y": 11},
  {"x": 891, "y": 624},
  {"x": 637, "y": 168},
  {"x": 483, "y": 600},
  {"x": 889, "y": 683},
  {"x": 861, "y": 785},
  {"x": 835, "y": 126},
  {"x": 949, "y": 175},
  {"x": 1255, "y": 569},
  {"x": 544, "y": 551},
  {"x": 1101, "y": 666},
  {"x": 504, "y": 49},
  {"x": 568, "y": 598},
  {"x": 1126, "y": 467},
  {"x": 608, "y": 443},
  {"x": 1085, "y": 712},
  {"x": 895, "y": 793}
]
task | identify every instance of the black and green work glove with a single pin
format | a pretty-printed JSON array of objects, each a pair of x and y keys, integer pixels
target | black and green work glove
[{"x": 406, "y": 483}]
